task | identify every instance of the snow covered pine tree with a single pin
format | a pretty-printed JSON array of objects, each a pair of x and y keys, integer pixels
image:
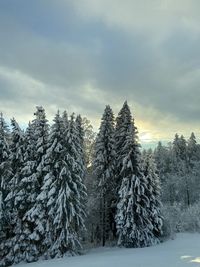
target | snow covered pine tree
[
  {"x": 13, "y": 199},
  {"x": 37, "y": 135},
  {"x": 132, "y": 219},
  {"x": 5, "y": 176},
  {"x": 153, "y": 192},
  {"x": 104, "y": 170},
  {"x": 63, "y": 189},
  {"x": 52, "y": 165}
]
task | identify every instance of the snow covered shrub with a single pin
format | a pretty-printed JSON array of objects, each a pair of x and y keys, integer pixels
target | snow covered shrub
[
  {"x": 191, "y": 219},
  {"x": 177, "y": 219},
  {"x": 172, "y": 220}
]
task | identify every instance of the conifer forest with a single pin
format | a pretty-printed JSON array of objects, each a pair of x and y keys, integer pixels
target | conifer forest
[
  {"x": 99, "y": 133},
  {"x": 65, "y": 188}
]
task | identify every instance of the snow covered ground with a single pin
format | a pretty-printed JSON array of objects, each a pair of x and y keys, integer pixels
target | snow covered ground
[{"x": 183, "y": 251}]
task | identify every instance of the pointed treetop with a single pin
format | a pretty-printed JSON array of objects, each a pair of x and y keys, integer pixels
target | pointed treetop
[
  {"x": 4, "y": 129},
  {"x": 40, "y": 112},
  {"x": 65, "y": 114},
  {"x": 65, "y": 119},
  {"x": 192, "y": 138},
  {"x": 15, "y": 124},
  {"x": 125, "y": 103},
  {"x": 79, "y": 120}
]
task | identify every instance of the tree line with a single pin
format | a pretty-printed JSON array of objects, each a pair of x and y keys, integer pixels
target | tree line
[
  {"x": 42, "y": 190},
  {"x": 124, "y": 196},
  {"x": 44, "y": 173},
  {"x": 178, "y": 165}
]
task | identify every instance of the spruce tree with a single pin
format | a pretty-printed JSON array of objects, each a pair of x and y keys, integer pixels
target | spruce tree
[
  {"x": 132, "y": 219},
  {"x": 35, "y": 215},
  {"x": 179, "y": 172},
  {"x": 24, "y": 249},
  {"x": 5, "y": 176},
  {"x": 88, "y": 142},
  {"x": 52, "y": 164},
  {"x": 13, "y": 199},
  {"x": 179, "y": 152},
  {"x": 104, "y": 169},
  {"x": 65, "y": 120},
  {"x": 16, "y": 160},
  {"x": 184, "y": 168},
  {"x": 80, "y": 145},
  {"x": 122, "y": 127},
  {"x": 192, "y": 151},
  {"x": 161, "y": 155},
  {"x": 66, "y": 190},
  {"x": 193, "y": 164},
  {"x": 153, "y": 194}
]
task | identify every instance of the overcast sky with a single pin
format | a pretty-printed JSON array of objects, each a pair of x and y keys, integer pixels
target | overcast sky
[{"x": 80, "y": 55}]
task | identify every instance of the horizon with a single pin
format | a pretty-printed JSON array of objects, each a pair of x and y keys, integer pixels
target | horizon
[{"x": 145, "y": 139}]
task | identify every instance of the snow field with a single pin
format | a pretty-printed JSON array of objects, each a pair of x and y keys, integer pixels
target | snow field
[{"x": 183, "y": 251}]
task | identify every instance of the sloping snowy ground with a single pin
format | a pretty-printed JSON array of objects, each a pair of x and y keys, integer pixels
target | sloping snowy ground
[{"x": 183, "y": 251}]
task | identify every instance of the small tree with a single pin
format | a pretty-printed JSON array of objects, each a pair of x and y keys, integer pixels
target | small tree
[{"x": 88, "y": 142}]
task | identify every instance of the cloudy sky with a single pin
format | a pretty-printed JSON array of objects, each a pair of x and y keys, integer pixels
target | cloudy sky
[{"x": 80, "y": 55}]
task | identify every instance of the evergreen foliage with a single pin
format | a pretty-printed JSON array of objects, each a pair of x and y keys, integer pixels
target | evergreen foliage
[
  {"x": 13, "y": 199},
  {"x": 123, "y": 122},
  {"x": 132, "y": 219},
  {"x": 5, "y": 176},
  {"x": 153, "y": 193},
  {"x": 35, "y": 215},
  {"x": 43, "y": 195},
  {"x": 104, "y": 169},
  {"x": 64, "y": 189}
]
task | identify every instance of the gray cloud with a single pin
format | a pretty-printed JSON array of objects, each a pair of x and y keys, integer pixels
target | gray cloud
[{"x": 86, "y": 56}]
